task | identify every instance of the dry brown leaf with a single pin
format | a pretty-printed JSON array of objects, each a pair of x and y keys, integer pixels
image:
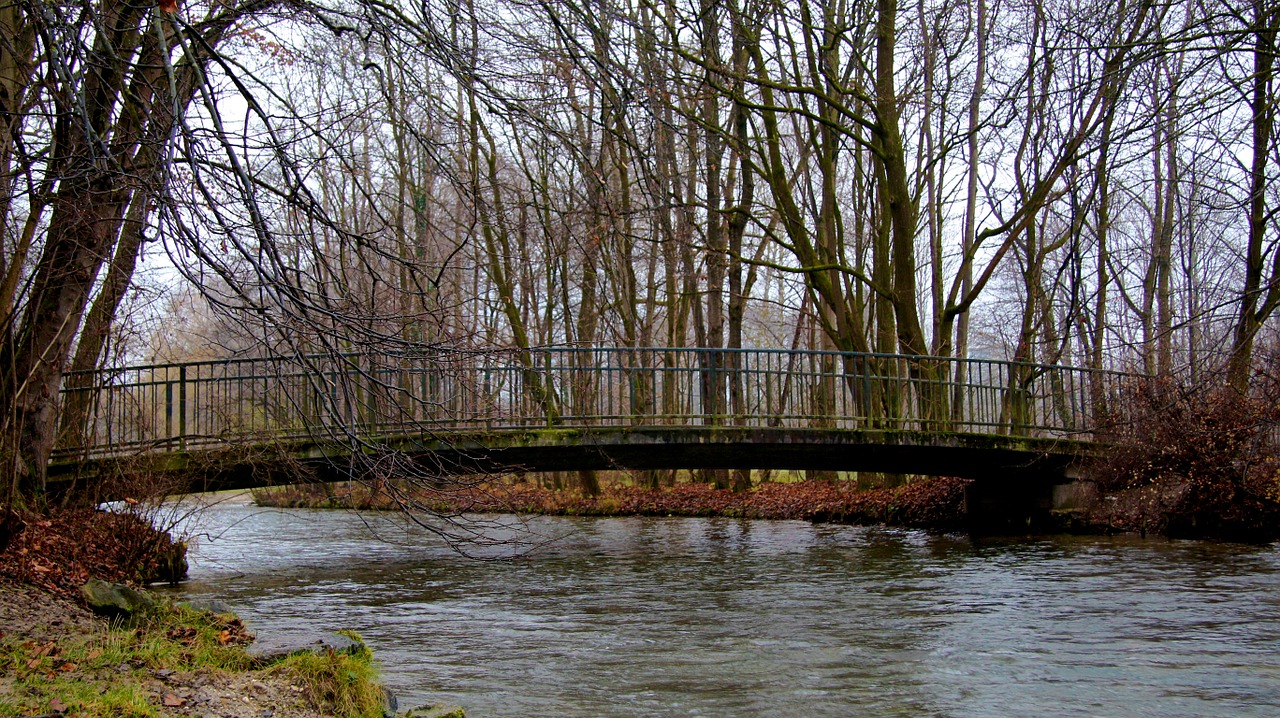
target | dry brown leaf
[{"x": 173, "y": 701}]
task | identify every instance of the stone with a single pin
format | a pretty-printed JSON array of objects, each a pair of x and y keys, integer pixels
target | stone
[
  {"x": 212, "y": 605},
  {"x": 390, "y": 704},
  {"x": 270, "y": 650},
  {"x": 115, "y": 599},
  {"x": 436, "y": 710}
]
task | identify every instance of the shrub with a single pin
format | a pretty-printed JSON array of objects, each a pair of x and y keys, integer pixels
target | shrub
[
  {"x": 1190, "y": 462},
  {"x": 59, "y": 551}
]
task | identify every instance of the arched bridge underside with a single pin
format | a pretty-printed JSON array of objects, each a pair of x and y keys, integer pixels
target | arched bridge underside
[
  {"x": 251, "y": 422},
  {"x": 976, "y": 456}
]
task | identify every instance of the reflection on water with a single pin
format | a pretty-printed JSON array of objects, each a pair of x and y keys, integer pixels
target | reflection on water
[{"x": 720, "y": 617}]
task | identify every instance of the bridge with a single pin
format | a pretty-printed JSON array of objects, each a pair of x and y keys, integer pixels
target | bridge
[{"x": 562, "y": 409}]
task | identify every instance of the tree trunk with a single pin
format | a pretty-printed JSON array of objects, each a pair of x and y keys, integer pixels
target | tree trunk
[
  {"x": 81, "y": 232},
  {"x": 98, "y": 323},
  {"x": 1262, "y": 106}
]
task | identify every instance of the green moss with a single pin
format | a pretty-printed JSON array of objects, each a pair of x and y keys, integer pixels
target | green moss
[{"x": 90, "y": 699}]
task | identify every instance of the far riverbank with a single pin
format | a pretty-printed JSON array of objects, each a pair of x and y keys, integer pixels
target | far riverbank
[{"x": 936, "y": 503}]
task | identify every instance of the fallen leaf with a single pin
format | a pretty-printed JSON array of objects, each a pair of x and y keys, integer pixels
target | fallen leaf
[
  {"x": 173, "y": 701},
  {"x": 68, "y": 667},
  {"x": 57, "y": 706},
  {"x": 33, "y": 663},
  {"x": 93, "y": 654}
]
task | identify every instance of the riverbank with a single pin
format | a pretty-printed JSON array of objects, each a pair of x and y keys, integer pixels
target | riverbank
[
  {"x": 60, "y": 659},
  {"x": 936, "y": 503}
]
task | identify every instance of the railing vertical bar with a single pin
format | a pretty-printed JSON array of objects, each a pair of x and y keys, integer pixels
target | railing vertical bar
[{"x": 182, "y": 407}]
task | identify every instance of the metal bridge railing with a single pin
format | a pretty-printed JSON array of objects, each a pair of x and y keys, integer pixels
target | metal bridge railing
[{"x": 176, "y": 407}]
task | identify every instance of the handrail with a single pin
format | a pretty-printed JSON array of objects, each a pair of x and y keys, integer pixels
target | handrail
[
  {"x": 447, "y": 351},
  {"x": 180, "y": 406}
]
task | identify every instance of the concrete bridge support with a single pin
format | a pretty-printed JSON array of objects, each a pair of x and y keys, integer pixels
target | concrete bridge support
[{"x": 1016, "y": 504}]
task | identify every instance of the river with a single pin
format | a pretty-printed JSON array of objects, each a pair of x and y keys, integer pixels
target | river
[{"x": 721, "y": 617}]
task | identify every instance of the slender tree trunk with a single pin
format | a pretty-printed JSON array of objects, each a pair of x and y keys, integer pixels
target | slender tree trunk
[
  {"x": 970, "y": 210},
  {"x": 1262, "y": 107}
]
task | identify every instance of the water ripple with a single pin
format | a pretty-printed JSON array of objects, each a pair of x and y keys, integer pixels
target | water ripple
[{"x": 716, "y": 617}]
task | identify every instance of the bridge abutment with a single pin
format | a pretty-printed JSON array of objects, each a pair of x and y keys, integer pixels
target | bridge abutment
[{"x": 1020, "y": 504}]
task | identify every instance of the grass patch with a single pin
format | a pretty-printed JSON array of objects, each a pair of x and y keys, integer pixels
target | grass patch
[
  {"x": 111, "y": 674},
  {"x": 344, "y": 684},
  {"x": 102, "y": 674}
]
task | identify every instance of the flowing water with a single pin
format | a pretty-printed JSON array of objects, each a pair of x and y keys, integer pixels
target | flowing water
[{"x": 721, "y": 617}]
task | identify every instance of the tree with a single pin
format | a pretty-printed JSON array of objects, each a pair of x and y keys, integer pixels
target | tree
[
  {"x": 1258, "y": 300},
  {"x": 112, "y": 79}
]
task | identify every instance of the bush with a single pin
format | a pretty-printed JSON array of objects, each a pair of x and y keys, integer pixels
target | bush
[
  {"x": 59, "y": 551},
  {"x": 1195, "y": 463}
]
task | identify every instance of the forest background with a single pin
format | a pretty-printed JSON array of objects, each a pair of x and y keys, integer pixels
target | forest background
[{"x": 1089, "y": 183}]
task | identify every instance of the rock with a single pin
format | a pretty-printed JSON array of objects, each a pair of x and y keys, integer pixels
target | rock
[
  {"x": 390, "y": 704},
  {"x": 115, "y": 599},
  {"x": 436, "y": 710},
  {"x": 212, "y": 605},
  {"x": 270, "y": 650}
]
